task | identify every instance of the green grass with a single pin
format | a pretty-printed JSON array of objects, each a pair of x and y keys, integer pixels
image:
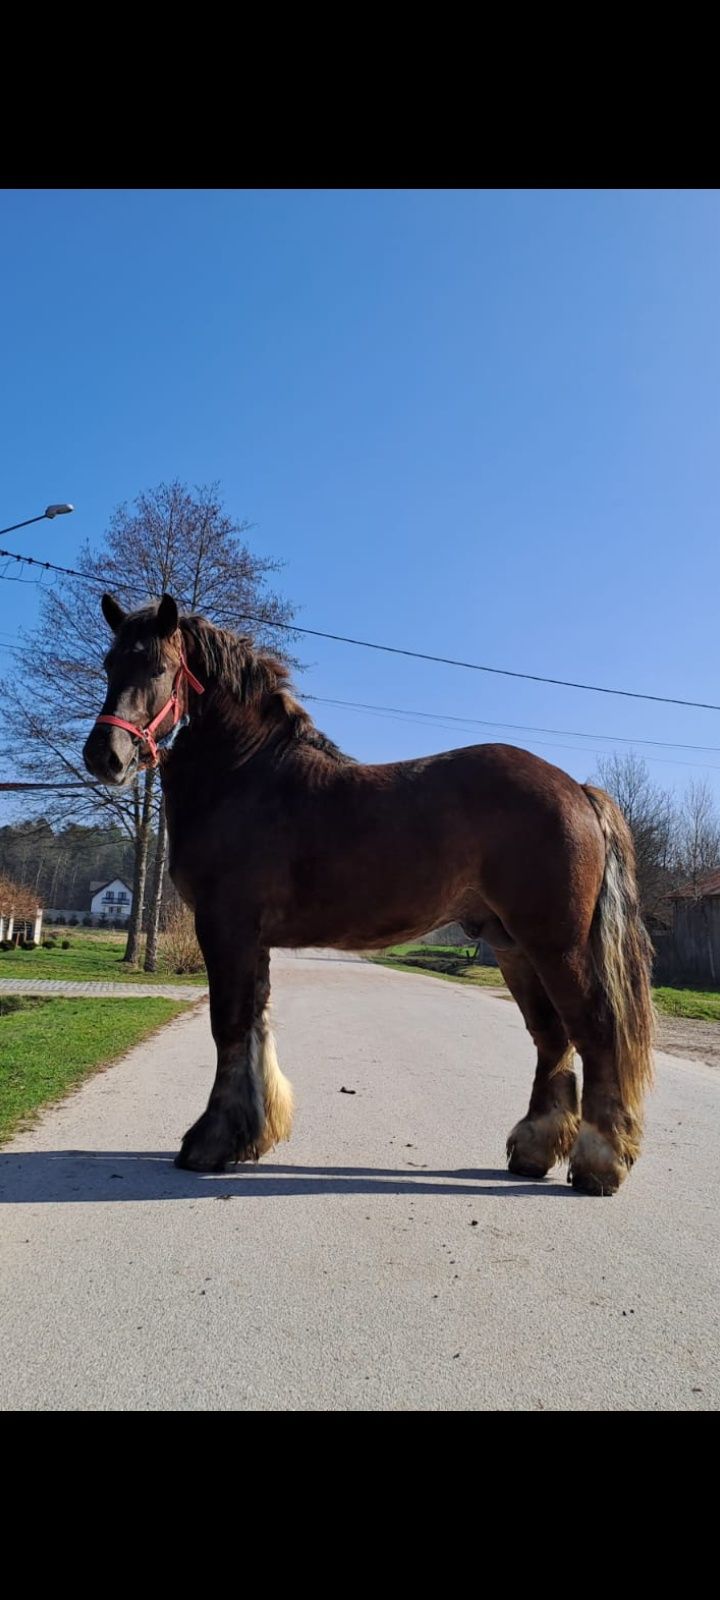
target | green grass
[
  {"x": 418, "y": 949},
  {"x": 703, "y": 1004},
  {"x": 441, "y": 961},
  {"x": 92, "y": 957},
  {"x": 450, "y": 962},
  {"x": 49, "y": 1046}
]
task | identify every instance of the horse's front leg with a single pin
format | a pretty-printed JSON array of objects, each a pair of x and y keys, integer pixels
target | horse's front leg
[{"x": 250, "y": 1106}]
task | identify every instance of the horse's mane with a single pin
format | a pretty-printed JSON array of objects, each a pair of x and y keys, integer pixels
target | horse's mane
[{"x": 251, "y": 678}]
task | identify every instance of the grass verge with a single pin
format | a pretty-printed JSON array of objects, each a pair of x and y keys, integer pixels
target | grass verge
[
  {"x": 91, "y": 958},
  {"x": 442, "y": 961},
  {"x": 50, "y": 1046},
  {"x": 451, "y": 963},
  {"x": 703, "y": 1004}
]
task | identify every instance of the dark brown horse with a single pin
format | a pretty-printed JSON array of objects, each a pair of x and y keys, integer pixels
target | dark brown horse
[{"x": 277, "y": 839}]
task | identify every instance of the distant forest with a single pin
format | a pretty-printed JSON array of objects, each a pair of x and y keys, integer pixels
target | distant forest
[{"x": 59, "y": 865}]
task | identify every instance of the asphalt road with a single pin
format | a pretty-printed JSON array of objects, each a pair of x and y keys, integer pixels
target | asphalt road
[{"x": 384, "y": 1260}]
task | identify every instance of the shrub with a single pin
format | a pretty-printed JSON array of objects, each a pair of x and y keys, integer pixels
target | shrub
[
  {"x": 87, "y": 922},
  {"x": 10, "y": 1003},
  {"x": 74, "y": 922},
  {"x": 60, "y": 922},
  {"x": 66, "y": 944},
  {"x": 179, "y": 949}
]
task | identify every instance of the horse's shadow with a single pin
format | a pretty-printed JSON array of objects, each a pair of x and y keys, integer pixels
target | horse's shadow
[{"x": 78, "y": 1177}]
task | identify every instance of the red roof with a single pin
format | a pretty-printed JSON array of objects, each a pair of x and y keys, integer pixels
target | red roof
[{"x": 708, "y": 884}]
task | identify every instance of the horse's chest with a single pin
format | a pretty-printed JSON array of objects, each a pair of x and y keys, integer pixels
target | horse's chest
[{"x": 199, "y": 859}]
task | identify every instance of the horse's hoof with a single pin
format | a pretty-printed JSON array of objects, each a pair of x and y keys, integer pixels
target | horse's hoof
[
  {"x": 521, "y": 1168},
  {"x": 211, "y": 1144},
  {"x": 191, "y": 1160},
  {"x": 596, "y": 1165},
  {"x": 593, "y": 1183},
  {"x": 537, "y": 1143},
  {"x": 248, "y": 1152}
]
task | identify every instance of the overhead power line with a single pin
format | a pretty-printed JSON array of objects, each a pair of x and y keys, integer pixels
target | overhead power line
[
  {"x": 414, "y": 720},
  {"x": 501, "y": 672},
  {"x": 515, "y": 727},
  {"x": 413, "y": 655},
  {"x": 58, "y": 787},
  {"x": 50, "y": 566}
]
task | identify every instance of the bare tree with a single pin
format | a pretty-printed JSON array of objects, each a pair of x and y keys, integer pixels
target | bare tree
[
  {"x": 16, "y": 899},
  {"x": 171, "y": 539},
  {"x": 698, "y": 834},
  {"x": 650, "y": 813}
]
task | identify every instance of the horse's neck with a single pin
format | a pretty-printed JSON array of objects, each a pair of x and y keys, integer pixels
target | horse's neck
[{"x": 224, "y": 731}]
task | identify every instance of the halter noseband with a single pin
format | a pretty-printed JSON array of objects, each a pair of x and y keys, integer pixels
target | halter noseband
[{"x": 146, "y": 735}]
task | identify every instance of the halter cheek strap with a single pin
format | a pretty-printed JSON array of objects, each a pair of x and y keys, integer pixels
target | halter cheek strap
[{"x": 146, "y": 735}]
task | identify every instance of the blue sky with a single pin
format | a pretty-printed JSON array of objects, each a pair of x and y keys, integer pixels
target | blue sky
[{"x": 478, "y": 424}]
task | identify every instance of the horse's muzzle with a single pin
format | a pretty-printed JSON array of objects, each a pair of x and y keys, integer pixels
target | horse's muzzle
[{"x": 110, "y": 755}]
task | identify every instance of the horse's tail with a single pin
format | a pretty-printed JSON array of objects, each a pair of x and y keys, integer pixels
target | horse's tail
[{"x": 623, "y": 954}]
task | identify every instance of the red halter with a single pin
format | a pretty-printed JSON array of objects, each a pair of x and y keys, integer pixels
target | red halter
[{"x": 145, "y": 735}]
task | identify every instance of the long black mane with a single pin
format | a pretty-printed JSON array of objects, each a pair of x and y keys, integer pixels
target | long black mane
[{"x": 252, "y": 678}]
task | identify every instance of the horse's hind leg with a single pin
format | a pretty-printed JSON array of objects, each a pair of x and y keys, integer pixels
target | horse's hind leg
[
  {"x": 608, "y": 1140},
  {"x": 250, "y": 1105},
  {"x": 546, "y": 1134}
]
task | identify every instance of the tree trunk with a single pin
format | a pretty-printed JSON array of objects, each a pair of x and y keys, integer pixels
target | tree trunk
[
  {"x": 142, "y": 840},
  {"x": 59, "y": 869},
  {"x": 156, "y": 894}
]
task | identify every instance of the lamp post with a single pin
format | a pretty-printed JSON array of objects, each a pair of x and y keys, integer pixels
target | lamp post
[{"x": 50, "y": 511}]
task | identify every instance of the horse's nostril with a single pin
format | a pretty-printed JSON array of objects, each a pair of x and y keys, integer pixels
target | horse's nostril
[{"x": 101, "y": 760}]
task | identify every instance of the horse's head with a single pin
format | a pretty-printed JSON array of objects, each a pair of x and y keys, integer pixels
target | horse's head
[{"x": 144, "y": 666}]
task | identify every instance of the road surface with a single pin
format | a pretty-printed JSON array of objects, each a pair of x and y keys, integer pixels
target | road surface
[{"x": 384, "y": 1260}]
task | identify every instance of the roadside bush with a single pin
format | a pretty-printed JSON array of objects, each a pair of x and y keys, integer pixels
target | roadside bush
[
  {"x": 179, "y": 949},
  {"x": 74, "y": 922},
  {"x": 87, "y": 922},
  {"x": 60, "y": 922},
  {"x": 10, "y": 1003}
]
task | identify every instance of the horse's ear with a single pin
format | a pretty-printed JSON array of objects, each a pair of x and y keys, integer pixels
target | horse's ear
[
  {"x": 167, "y": 616},
  {"x": 112, "y": 612}
]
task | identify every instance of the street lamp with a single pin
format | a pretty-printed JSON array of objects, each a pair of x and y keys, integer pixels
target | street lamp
[{"x": 50, "y": 511}]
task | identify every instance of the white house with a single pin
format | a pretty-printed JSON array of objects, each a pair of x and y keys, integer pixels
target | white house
[{"x": 112, "y": 900}]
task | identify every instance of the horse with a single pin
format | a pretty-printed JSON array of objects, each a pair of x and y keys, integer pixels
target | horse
[{"x": 279, "y": 840}]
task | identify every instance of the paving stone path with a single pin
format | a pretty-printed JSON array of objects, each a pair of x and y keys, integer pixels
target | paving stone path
[{"x": 113, "y": 991}]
